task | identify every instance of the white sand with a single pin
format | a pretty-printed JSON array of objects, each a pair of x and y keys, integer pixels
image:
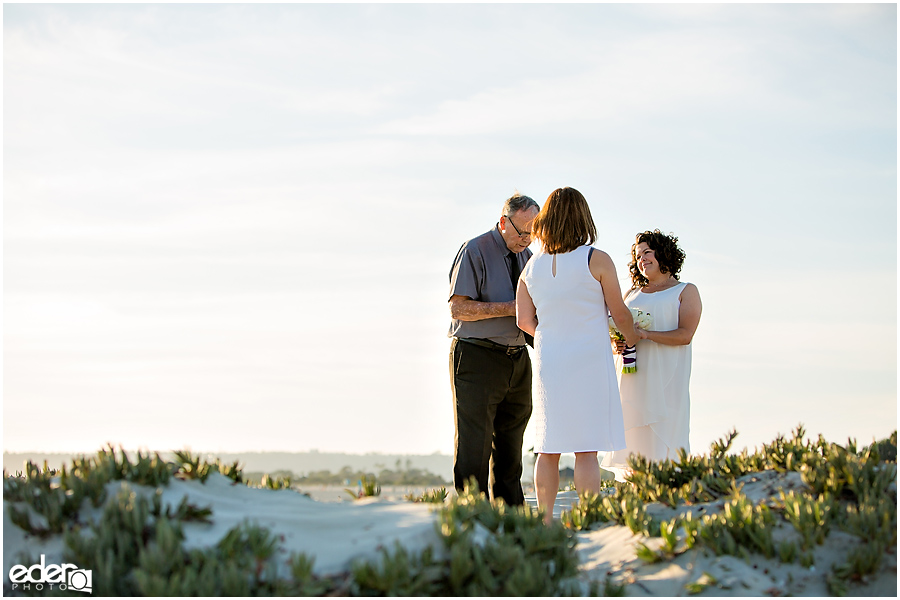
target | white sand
[
  {"x": 611, "y": 550},
  {"x": 336, "y": 533}
]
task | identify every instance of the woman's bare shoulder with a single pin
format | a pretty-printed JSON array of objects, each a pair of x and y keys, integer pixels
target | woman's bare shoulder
[
  {"x": 689, "y": 292},
  {"x": 599, "y": 256}
]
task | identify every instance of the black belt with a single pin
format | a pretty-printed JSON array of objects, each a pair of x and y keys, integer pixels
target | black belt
[{"x": 509, "y": 350}]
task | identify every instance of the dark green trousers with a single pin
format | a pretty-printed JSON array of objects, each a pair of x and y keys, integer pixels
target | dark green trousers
[{"x": 491, "y": 407}]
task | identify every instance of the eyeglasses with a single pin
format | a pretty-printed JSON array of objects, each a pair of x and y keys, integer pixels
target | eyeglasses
[{"x": 521, "y": 234}]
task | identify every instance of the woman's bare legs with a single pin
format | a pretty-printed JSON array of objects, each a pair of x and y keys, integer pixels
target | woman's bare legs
[
  {"x": 546, "y": 483},
  {"x": 587, "y": 472}
]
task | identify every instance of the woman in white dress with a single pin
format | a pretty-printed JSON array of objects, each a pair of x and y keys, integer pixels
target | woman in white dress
[
  {"x": 656, "y": 400},
  {"x": 561, "y": 300}
]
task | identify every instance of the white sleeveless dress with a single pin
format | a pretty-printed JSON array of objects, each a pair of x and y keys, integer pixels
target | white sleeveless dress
[
  {"x": 576, "y": 399},
  {"x": 656, "y": 400}
]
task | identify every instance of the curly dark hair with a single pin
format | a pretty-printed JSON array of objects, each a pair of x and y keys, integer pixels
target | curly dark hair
[{"x": 669, "y": 256}]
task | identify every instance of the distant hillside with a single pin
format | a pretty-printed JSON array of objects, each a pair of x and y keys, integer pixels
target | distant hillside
[{"x": 300, "y": 463}]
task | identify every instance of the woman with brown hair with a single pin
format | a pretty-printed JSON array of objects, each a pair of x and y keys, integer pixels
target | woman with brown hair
[
  {"x": 564, "y": 298},
  {"x": 656, "y": 401}
]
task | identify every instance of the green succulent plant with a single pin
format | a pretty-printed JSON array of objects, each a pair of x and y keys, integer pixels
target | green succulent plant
[
  {"x": 488, "y": 549},
  {"x": 368, "y": 488},
  {"x": 431, "y": 496},
  {"x": 136, "y": 545}
]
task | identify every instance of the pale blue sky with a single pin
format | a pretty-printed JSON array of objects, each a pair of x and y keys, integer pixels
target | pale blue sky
[{"x": 229, "y": 227}]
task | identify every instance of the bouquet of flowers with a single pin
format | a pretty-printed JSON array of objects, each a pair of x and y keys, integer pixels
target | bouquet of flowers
[{"x": 629, "y": 357}]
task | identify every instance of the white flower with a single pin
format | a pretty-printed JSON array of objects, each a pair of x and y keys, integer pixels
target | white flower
[{"x": 643, "y": 320}]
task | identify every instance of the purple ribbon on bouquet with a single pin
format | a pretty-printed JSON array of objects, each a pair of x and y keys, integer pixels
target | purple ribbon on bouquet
[{"x": 629, "y": 359}]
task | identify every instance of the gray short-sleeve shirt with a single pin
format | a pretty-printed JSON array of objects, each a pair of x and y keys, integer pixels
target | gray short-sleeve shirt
[{"x": 481, "y": 272}]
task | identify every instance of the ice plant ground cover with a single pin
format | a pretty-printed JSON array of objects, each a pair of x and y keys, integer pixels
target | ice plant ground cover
[
  {"x": 797, "y": 516},
  {"x": 803, "y": 494}
]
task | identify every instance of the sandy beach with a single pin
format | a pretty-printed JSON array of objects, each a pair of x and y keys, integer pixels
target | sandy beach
[
  {"x": 338, "y": 531},
  {"x": 322, "y": 521}
]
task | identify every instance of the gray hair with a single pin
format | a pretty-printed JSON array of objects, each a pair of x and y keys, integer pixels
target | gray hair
[{"x": 517, "y": 202}]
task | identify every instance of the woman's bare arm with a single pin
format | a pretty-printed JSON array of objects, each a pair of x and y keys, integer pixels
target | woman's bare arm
[
  {"x": 604, "y": 271},
  {"x": 526, "y": 313},
  {"x": 688, "y": 320}
]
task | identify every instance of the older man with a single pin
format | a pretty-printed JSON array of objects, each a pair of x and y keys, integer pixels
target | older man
[{"x": 490, "y": 369}]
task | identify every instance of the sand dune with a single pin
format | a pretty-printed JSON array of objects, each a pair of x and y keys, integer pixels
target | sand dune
[{"x": 338, "y": 534}]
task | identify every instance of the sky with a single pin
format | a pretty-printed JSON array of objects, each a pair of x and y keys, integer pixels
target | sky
[{"x": 230, "y": 227}]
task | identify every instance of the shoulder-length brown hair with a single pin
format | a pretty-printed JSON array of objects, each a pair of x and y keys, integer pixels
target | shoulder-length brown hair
[{"x": 565, "y": 222}]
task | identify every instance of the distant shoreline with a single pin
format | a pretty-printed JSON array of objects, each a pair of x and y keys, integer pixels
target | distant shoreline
[
  {"x": 299, "y": 463},
  {"x": 267, "y": 462}
]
